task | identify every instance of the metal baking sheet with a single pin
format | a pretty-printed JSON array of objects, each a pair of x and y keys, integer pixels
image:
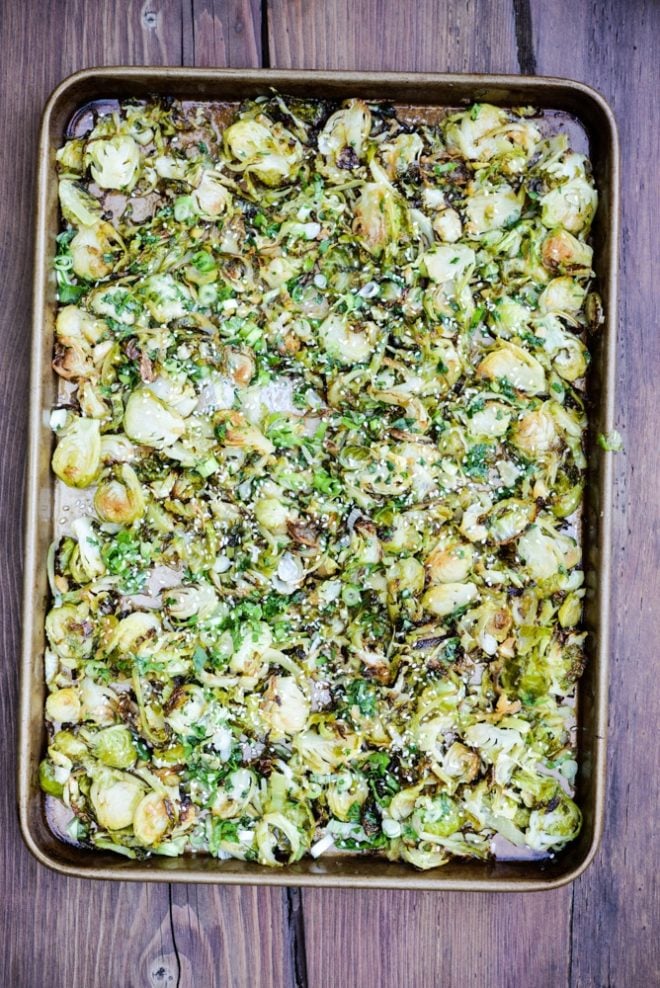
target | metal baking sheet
[{"x": 592, "y": 119}]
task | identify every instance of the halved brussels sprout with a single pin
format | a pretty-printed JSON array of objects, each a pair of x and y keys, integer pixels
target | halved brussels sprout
[
  {"x": 448, "y": 225},
  {"x": 150, "y": 422},
  {"x": 94, "y": 251},
  {"x": 186, "y": 709},
  {"x": 115, "y": 797},
  {"x": 342, "y": 139},
  {"x": 509, "y": 518},
  {"x": 69, "y": 631},
  {"x": 52, "y": 778},
  {"x": 445, "y": 598},
  {"x": 487, "y": 131},
  {"x": 165, "y": 297},
  {"x": 182, "y": 603},
  {"x": 234, "y": 794},
  {"x": 572, "y": 359},
  {"x": 562, "y": 253},
  {"x": 77, "y": 205},
  {"x": 272, "y": 514},
  {"x": 562, "y": 295},
  {"x": 535, "y": 433},
  {"x": 114, "y": 746},
  {"x": 211, "y": 196},
  {"x": 89, "y": 548},
  {"x": 77, "y": 456},
  {"x": 153, "y": 818},
  {"x": 444, "y": 262},
  {"x": 437, "y": 815},
  {"x": 543, "y": 554},
  {"x": 512, "y": 364},
  {"x": 509, "y": 317},
  {"x": 348, "y": 346},
  {"x": 276, "y": 833},
  {"x": 551, "y": 829},
  {"x": 492, "y": 210},
  {"x": 119, "y": 499},
  {"x": 347, "y": 791},
  {"x": 571, "y": 205},
  {"x": 64, "y": 706},
  {"x": 132, "y": 631},
  {"x": 73, "y": 323},
  {"x": 491, "y": 421},
  {"x": 380, "y": 217},
  {"x": 449, "y": 562}
]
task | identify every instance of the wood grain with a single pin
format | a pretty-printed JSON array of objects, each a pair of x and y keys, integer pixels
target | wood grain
[
  {"x": 455, "y": 36},
  {"x": 64, "y": 933},
  {"x": 617, "y": 901},
  {"x": 231, "y": 938},
  {"x": 428, "y": 940},
  {"x": 221, "y": 33}
]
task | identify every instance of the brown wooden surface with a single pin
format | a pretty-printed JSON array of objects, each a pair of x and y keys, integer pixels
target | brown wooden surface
[{"x": 64, "y": 933}]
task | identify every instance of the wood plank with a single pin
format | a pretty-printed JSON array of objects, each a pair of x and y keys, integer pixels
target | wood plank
[
  {"x": 395, "y": 938},
  {"x": 223, "y": 33},
  {"x": 428, "y": 940},
  {"x": 617, "y": 901},
  {"x": 65, "y": 932},
  {"x": 57, "y": 931},
  {"x": 231, "y": 937},
  {"x": 456, "y": 36}
]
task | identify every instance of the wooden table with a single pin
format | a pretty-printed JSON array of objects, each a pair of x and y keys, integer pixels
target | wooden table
[{"x": 599, "y": 932}]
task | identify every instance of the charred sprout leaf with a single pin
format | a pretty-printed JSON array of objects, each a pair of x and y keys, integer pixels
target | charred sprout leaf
[{"x": 322, "y": 412}]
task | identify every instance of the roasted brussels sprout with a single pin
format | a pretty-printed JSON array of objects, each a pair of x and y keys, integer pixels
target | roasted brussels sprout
[
  {"x": 77, "y": 456},
  {"x": 322, "y": 374}
]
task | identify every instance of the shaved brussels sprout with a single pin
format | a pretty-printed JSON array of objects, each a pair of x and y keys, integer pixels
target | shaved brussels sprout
[
  {"x": 284, "y": 707},
  {"x": 322, "y": 373},
  {"x": 77, "y": 205},
  {"x": 113, "y": 161},
  {"x": 267, "y": 150}
]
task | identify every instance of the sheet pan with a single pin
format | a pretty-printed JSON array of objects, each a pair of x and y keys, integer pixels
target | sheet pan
[{"x": 432, "y": 93}]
